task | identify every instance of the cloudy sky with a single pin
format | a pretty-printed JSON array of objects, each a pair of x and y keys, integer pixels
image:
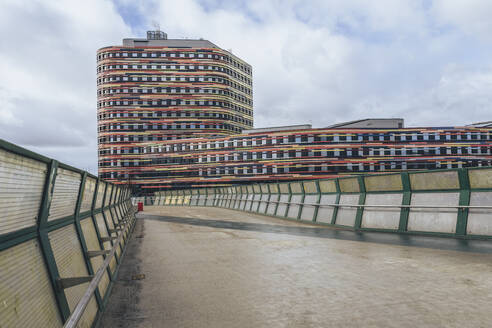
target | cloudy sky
[{"x": 314, "y": 61}]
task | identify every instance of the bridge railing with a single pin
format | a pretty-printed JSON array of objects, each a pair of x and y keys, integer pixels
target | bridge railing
[
  {"x": 455, "y": 202},
  {"x": 62, "y": 230}
]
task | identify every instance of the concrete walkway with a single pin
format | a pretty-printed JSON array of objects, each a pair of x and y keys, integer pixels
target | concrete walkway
[{"x": 209, "y": 267}]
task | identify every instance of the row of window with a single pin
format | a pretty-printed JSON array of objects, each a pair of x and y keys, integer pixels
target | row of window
[
  {"x": 260, "y": 141},
  {"x": 149, "y": 124},
  {"x": 156, "y": 115},
  {"x": 190, "y": 126},
  {"x": 280, "y": 169},
  {"x": 304, "y": 154},
  {"x": 170, "y": 90},
  {"x": 164, "y": 126},
  {"x": 178, "y": 102},
  {"x": 173, "y": 78},
  {"x": 194, "y": 125},
  {"x": 184, "y": 68},
  {"x": 169, "y": 54}
]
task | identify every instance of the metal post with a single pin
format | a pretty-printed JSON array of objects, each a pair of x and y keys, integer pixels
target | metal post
[
  {"x": 462, "y": 221},
  {"x": 318, "y": 200},
  {"x": 362, "y": 200},
  {"x": 337, "y": 201},
  {"x": 80, "y": 232},
  {"x": 44, "y": 242},
  {"x": 406, "y": 199}
]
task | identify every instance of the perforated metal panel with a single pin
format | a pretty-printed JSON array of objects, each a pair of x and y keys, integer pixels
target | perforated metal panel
[
  {"x": 237, "y": 203},
  {"x": 307, "y": 212},
  {"x": 92, "y": 243},
  {"x": 88, "y": 196},
  {"x": 480, "y": 220},
  {"x": 263, "y": 203},
  {"x": 22, "y": 182},
  {"x": 272, "y": 205},
  {"x": 327, "y": 186},
  {"x": 383, "y": 183},
  {"x": 70, "y": 263},
  {"x": 382, "y": 218},
  {"x": 103, "y": 232},
  {"x": 296, "y": 187},
  {"x": 310, "y": 187},
  {"x": 434, "y": 180},
  {"x": 294, "y": 208},
  {"x": 247, "y": 207},
  {"x": 325, "y": 214},
  {"x": 109, "y": 219},
  {"x": 65, "y": 194},
  {"x": 434, "y": 219},
  {"x": 282, "y": 206},
  {"x": 108, "y": 196},
  {"x": 346, "y": 215},
  {"x": 26, "y": 295},
  {"x": 256, "y": 202},
  {"x": 349, "y": 185},
  {"x": 242, "y": 202}
]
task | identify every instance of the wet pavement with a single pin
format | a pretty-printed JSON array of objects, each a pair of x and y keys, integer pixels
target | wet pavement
[{"x": 211, "y": 267}]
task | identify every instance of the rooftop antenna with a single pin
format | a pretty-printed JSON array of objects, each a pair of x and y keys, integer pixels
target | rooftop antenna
[{"x": 156, "y": 34}]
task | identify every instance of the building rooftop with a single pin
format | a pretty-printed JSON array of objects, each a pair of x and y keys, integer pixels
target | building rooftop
[
  {"x": 278, "y": 128},
  {"x": 371, "y": 123},
  {"x": 159, "y": 39}
]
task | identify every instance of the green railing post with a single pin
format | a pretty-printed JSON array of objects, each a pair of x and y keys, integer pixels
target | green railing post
[
  {"x": 362, "y": 201},
  {"x": 337, "y": 201},
  {"x": 318, "y": 200},
  {"x": 303, "y": 196},
  {"x": 461, "y": 223},
  {"x": 44, "y": 242},
  {"x": 80, "y": 232},
  {"x": 406, "y": 199}
]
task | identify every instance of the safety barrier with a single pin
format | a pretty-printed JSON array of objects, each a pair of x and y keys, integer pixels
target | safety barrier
[
  {"x": 456, "y": 202},
  {"x": 63, "y": 233}
]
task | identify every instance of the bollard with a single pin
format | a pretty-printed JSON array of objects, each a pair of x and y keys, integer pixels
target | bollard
[{"x": 140, "y": 206}]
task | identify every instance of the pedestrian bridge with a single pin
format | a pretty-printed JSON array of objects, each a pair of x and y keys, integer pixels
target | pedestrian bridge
[
  {"x": 214, "y": 267},
  {"x": 397, "y": 250}
]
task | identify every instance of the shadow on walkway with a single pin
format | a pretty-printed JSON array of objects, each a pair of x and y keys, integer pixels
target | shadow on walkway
[{"x": 443, "y": 243}]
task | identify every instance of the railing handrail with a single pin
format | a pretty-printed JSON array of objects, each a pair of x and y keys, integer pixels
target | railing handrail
[
  {"x": 77, "y": 313},
  {"x": 384, "y": 205}
]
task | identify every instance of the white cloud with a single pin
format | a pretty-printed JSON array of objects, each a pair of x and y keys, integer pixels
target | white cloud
[
  {"x": 471, "y": 17},
  {"x": 330, "y": 61},
  {"x": 48, "y": 65},
  {"x": 313, "y": 61}
]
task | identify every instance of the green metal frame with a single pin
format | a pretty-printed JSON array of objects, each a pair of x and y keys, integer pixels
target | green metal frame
[
  {"x": 464, "y": 190},
  {"x": 42, "y": 228}
]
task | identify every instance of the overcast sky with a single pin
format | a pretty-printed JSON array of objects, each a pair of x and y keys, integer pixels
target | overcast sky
[{"x": 314, "y": 61}]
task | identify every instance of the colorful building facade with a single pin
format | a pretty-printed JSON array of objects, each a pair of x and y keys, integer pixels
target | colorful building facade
[
  {"x": 288, "y": 155},
  {"x": 179, "y": 113},
  {"x": 159, "y": 89}
]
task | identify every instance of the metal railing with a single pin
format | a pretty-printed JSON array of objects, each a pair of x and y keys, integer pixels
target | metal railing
[
  {"x": 461, "y": 196},
  {"x": 56, "y": 220},
  {"x": 77, "y": 313}
]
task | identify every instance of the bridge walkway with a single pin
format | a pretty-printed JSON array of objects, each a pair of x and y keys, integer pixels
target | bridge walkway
[{"x": 214, "y": 267}]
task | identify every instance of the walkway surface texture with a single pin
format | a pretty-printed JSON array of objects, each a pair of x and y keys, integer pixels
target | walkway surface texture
[{"x": 211, "y": 267}]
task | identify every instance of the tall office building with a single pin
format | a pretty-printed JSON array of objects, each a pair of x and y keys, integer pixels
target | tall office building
[{"x": 157, "y": 89}]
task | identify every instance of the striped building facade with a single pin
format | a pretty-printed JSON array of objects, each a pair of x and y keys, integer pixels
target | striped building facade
[
  {"x": 157, "y": 89},
  {"x": 178, "y": 114},
  {"x": 304, "y": 154}
]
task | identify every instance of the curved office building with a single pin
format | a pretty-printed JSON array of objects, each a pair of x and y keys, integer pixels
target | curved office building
[
  {"x": 156, "y": 89},
  {"x": 305, "y": 153}
]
